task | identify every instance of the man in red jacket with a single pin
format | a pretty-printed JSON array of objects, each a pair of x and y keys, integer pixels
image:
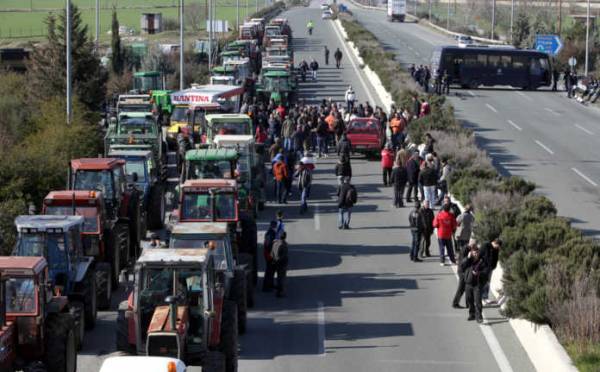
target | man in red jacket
[
  {"x": 387, "y": 163},
  {"x": 445, "y": 222}
]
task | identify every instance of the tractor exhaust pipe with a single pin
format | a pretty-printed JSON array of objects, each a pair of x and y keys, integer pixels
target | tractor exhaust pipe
[{"x": 172, "y": 302}]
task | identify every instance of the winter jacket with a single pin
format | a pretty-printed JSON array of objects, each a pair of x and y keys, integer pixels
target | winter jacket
[
  {"x": 427, "y": 219},
  {"x": 415, "y": 221},
  {"x": 465, "y": 226},
  {"x": 428, "y": 177},
  {"x": 342, "y": 200},
  {"x": 387, "y": 158},
  {"x": 490, "y": 255},
  {"x": 412, "y": 169},
  {"x": 343, "y": 169},
  {"x": 280, "y": 171},
  {"x": 475, "y": 272},
  {"x": 279, "y": 252},
  {"x": 445, "y": 222},
  {"x": 399, "y": 177},
  {"x": 288, "y": 128},
  {"x": 344, "y": 147}
]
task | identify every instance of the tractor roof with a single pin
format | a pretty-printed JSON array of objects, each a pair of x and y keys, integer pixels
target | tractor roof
[
  {"x": 233, "y": 139},
  {"x": 229, "y": 117},
  {"x": 120, "y": 147},
  {"x": 230, "y": 53},
  {"x": 118, "y": 153},
  {"x": 124, "y": 114},
  {"x": 210, "y": 183},
  {"x": 211, "y": 154},
  {"x": 191, "y": 228},
  {"x": 69, "y": 195},
  {"x": 22, "y": 265},
  {"x": 49, "y": 223},
  {"x": 96, "y": 163},
  {"x": 224, "y": 69},
  {"x": 173, "y": 256},
  {"x": 276, "y": 74}
]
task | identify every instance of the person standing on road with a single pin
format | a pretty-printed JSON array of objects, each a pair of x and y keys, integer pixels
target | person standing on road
[
  {"x": 387, "y": 163},
  {"x": 279, "y": 253},
  {"x": 416, "y": 229},
  {"x": 460, "y": 289},
  {"x": 443, "y": 182},
  {"x": 344, "y": 147},
  {"x": 287, "y": 131},
  {"x": 326, "y": 56},
  {"x": 304, "y": 174},
  {"x": 280, "y": 173},
  {"x": 427, "y": 220},
  {"x": 347, "y": 197},
  {"x": 309, "y": 27},
  {"x": 350, "y": 97},
  {"x": 474, "y": 268},
  {"x": 465, "y": 222},
  {"x": 428, "y": 178},
  {"x": 322, "y": 131},
  {"x": 567, "y": 81},
  {"x": 399, "y": 178},
  {"x": 343, "y": 169},
  {"x": 338, "y": 58},
  {"x": 270, "y": 236},
  {"x": 314, "y": 67},
  {"x": 445, "y": 222},
  {"x": 555, "y": 78},
  {"x": 489, "y": 252},
  {"x": 412, "y": 169}
]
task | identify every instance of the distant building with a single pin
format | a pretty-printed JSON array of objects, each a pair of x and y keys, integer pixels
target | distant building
[{"x": 151, "y": 23}]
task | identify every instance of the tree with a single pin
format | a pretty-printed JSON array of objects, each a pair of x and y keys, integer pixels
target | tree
[
  {"x": 194, "y": 15},
  {"x": 521, "y": 30},
  {"x": 118, "y": 60},
  {"x": 47, "y": 67}
]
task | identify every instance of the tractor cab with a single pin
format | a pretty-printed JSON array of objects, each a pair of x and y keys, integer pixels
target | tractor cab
[
  {"x": 134, "y": 103},
  {"x": 147, "y": 81},
  {"x": 210, "y": 163},
  {"x": 227, "y": 124},
  {"x": 208, "y": 200},
  {"x": 58, "y": 239}
]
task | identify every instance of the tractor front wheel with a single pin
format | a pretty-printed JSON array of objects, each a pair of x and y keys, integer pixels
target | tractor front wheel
[
  {"x": 61, "y": 350},
  {"x": 89, "y": 299},
  {"x": 214, "y": 362},
  {"x": 122, "y": 331},
  {"x": 229, "y": 335},
  {"x": 239, "y": 294},
  {"x": 104, "y": 285}
]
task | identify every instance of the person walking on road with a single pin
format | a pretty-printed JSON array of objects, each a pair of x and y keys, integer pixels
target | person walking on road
[
  {"x": 343, "y": 169},
  {"x": 314, "y": 67},
  {"x": 326, "y": 56},
  {"x": 344, "y": 147},
  {"x": 350, "y": 97},
  {"x": 465, "y": 222},
  {"x": 279, "y": 253},
  {"x": 412, "y": 170},
  {"x": 428, "y": 178},
  {"x": 338, "y": 58},
  {"x": 270, "y": 236},
  {"x": 416, "y": 229},
  {"x": 445, "y": 222},
  {"x": 474, "y": 268},
  {"x": 309, "y": 27},
  {"x": 399, "y": 178},
  {"x": 280, "y": 175},
  {"x": 489, "y": 252},
  {"x": 387, "y": 163},
  {"x": 460, "y": 289},
  {"x": 304, "y": 174},
  {"x": 280, "y": 228},
  {"x": 427, "y": 217},
  {"x": 347, "y": 197}
]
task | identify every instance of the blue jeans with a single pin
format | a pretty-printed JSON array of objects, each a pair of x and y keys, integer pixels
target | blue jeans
[
  {"x": 287, "y": 144},
  {"x": 430, "y": 195},
  {"x": 344, "y": 217},
  {"x": 446, "y": 244},
  {"x": 304, "y": 195},
  {"x": 321, "y": 145},
  {"x": 416, "y": 242},
  {"x": 281, "y": 191}
]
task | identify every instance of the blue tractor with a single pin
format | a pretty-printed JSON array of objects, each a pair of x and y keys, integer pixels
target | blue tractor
[{"x": 71, "y": 274}]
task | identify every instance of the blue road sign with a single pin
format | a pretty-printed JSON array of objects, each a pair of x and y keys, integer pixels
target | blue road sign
[{"x": 550, "y": 44}]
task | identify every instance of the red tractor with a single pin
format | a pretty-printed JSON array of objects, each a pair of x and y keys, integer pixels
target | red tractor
[
  {"x": 37, "y": 331},
  {"x": 99, "y": 235},
  {"x": 121, "y": 200}
]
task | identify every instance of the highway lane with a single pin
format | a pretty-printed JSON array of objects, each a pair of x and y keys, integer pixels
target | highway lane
[
  {"x": 355, "y": 302},
  {"x": 539, "y": 135}
]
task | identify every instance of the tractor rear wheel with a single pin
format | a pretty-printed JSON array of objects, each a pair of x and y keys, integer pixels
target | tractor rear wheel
[
  {"x": 113, "y": 254},
  {"x": 247, "y": 261},
  {"x": 61, "y": 353},
  {"x": 123, "y": 243},
  {"x": 76, "y": 309},
  {"x": 214, "y": 362},
  {"x": 239, "y": 295},
  {"x": 229, "y": 335},
  {"x": 104, "y": 285},
  {"x": 156, "y": 208},
  {"x": 89, "y": 299},
  {"x": 122, "y": 331}
]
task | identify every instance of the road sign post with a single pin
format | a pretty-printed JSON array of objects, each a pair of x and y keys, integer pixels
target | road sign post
[{"x": 551, "y": 44}]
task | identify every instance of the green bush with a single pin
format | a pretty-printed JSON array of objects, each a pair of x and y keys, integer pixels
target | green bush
[
  {"x": 9, "y": 209},
  {"x": 535, "y": 209},
  {"x": 490, "y": 222},
  {"x": 515, "y": 185}
]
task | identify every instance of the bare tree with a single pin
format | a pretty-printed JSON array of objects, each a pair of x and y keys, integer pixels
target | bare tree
[{"x": 195, "y": 16}]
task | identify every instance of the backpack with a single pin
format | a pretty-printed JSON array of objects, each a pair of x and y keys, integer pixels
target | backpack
[
  {"x": 305, "y": 178},
  {"x": 351, "y": 196}
]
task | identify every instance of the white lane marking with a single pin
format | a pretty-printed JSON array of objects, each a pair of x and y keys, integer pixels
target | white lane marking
[
  {"x": 584, "y": 129},
  {"x": 524, "y": 95},
  {"x": 552, "y": 111},
  {"x": 321, "y": 327},
  {"x": 492, "y": 341},
  {"x": 580, "y": 174},
  {"x": 431, "y": 362},
  {"x": 514, "y": 125},
  {"x": 317, "y": 218},
  {"x": 544, "y": 147},
  {"x": 491, "y": 107},
  {"x": 471, "y": 93},
  {"x": 351, "y": 58},
  {"x": 173, "y": 179}
]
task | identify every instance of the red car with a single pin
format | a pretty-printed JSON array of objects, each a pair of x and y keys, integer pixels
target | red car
[{"x": 366, "y": 135}]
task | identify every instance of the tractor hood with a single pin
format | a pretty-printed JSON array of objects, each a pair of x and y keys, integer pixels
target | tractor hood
[{"x": 161, "y": 320}]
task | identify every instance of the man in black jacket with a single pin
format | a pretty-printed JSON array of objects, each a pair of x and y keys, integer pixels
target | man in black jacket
[
  {"x": 475, "y": 270},
  {"x": 346, "y": 199},
  {"x": 489, "y": 252},
  {"x": 279, "y": 253},
  {"x": 344, "y": 147},
  {"x": 428, "y": 179},
  {"x": 416, "y": 229},
  {"x": 412, "y": 170},
  {"x": 460, "y": 290},
  {"x": 427, "y": 221},
  {"x": 399, "y": 178}
]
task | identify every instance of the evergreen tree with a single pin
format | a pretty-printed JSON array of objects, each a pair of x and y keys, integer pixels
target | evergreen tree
[
  {"x": 118, "y": 60},
  {"x": 521, "y": 30},
  {"x": 47, "y": 68}
]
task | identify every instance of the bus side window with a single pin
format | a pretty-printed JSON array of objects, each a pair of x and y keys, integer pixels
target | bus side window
[
  {"x": 519, "y": 62},
  {"x": 494, "y": 61},
  {"x": 482, "y": 60},
  {"x": 506, "y": 61}
]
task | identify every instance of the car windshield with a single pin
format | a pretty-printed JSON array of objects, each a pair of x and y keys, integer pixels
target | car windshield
[
  {"x": 272, "y": 31},
  {"x": 34, "y": 244},
  {"x": 20, "y": 295},
  {"x": 209, "y": 169},
  {"x": 95, "y": 180},
  {"x": 363, "y": 126},
  {"x": 198, "y": 206},
  {"x": 223, "y": 127},
  {"x": 136, "y": 126},
  {"x": 90, "y": 215},
  {"x": 135, "y": 166},
  {"x": 158, "y": 283}
]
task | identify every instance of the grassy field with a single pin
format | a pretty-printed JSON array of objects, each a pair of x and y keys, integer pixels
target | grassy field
[{"x": 25, "y": 24}]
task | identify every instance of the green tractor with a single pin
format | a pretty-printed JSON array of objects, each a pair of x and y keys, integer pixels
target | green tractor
[
  {"x": 277, "y": 85},
  {"x": 151, "y": 82}
]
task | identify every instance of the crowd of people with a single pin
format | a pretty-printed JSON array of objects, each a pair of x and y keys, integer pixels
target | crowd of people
[{"x": 423, "y": 76}]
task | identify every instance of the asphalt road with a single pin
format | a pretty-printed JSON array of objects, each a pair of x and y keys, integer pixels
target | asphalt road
[
  {"x": 355, "y": 301},
  {"x": 540, "y": 135}
]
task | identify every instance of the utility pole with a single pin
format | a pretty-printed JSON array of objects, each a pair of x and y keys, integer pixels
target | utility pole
[
  {"x": 429, "y": 10},
  {"x": 493, "y": 17},
  {"x": 257, "y": 5},
  {"x": 210, "y": 40},
  {"x": 448, "y": 18},
  {"x": 68, "y": 44},
  {"x": 181, "y": 84},
  {"x": 97, "y": 38},
  {"x": 512, "y": 19},
  {"x": 416, "y": 3},
  {"x": 237, "y": 14},
  {"x": 587, "y": 38}
]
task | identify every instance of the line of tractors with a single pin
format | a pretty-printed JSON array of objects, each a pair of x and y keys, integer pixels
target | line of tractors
[{"x": 191, "y": 293}]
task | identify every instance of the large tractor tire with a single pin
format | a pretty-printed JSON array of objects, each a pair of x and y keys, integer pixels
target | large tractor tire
[
  {"x": 122, "y": 331},
  {"x": 214, "y": 362},
  {"x": 246, "y": 260},
  {"x": 61, "y": 349},
  {"x": 229, "y": 335},
  {"x": 135, "y": 227},
  {"x": 239, "y": 296},
  {"x": 123, "y": 242},
  {"x": 90, "y": 296},
  {"x": 156, "y": 208},
  {"x": 113, "y": 255},
  {"x": 104, "y": 285},
  {"x": 77, "y": 309}
]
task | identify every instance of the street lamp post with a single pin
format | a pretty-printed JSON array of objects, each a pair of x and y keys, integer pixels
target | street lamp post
[
  {"x": 587, "y": 38},
  {"x": 181, "y": 45},
  {"x": 97, "y": 36},
  {"x": 68, "y": 45},
  {"x": 429, "y": 10},
  {"x": 448, "y": 18},
  {"x": 237, "y": 14},
  {"x": 512, "y": 19}
]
